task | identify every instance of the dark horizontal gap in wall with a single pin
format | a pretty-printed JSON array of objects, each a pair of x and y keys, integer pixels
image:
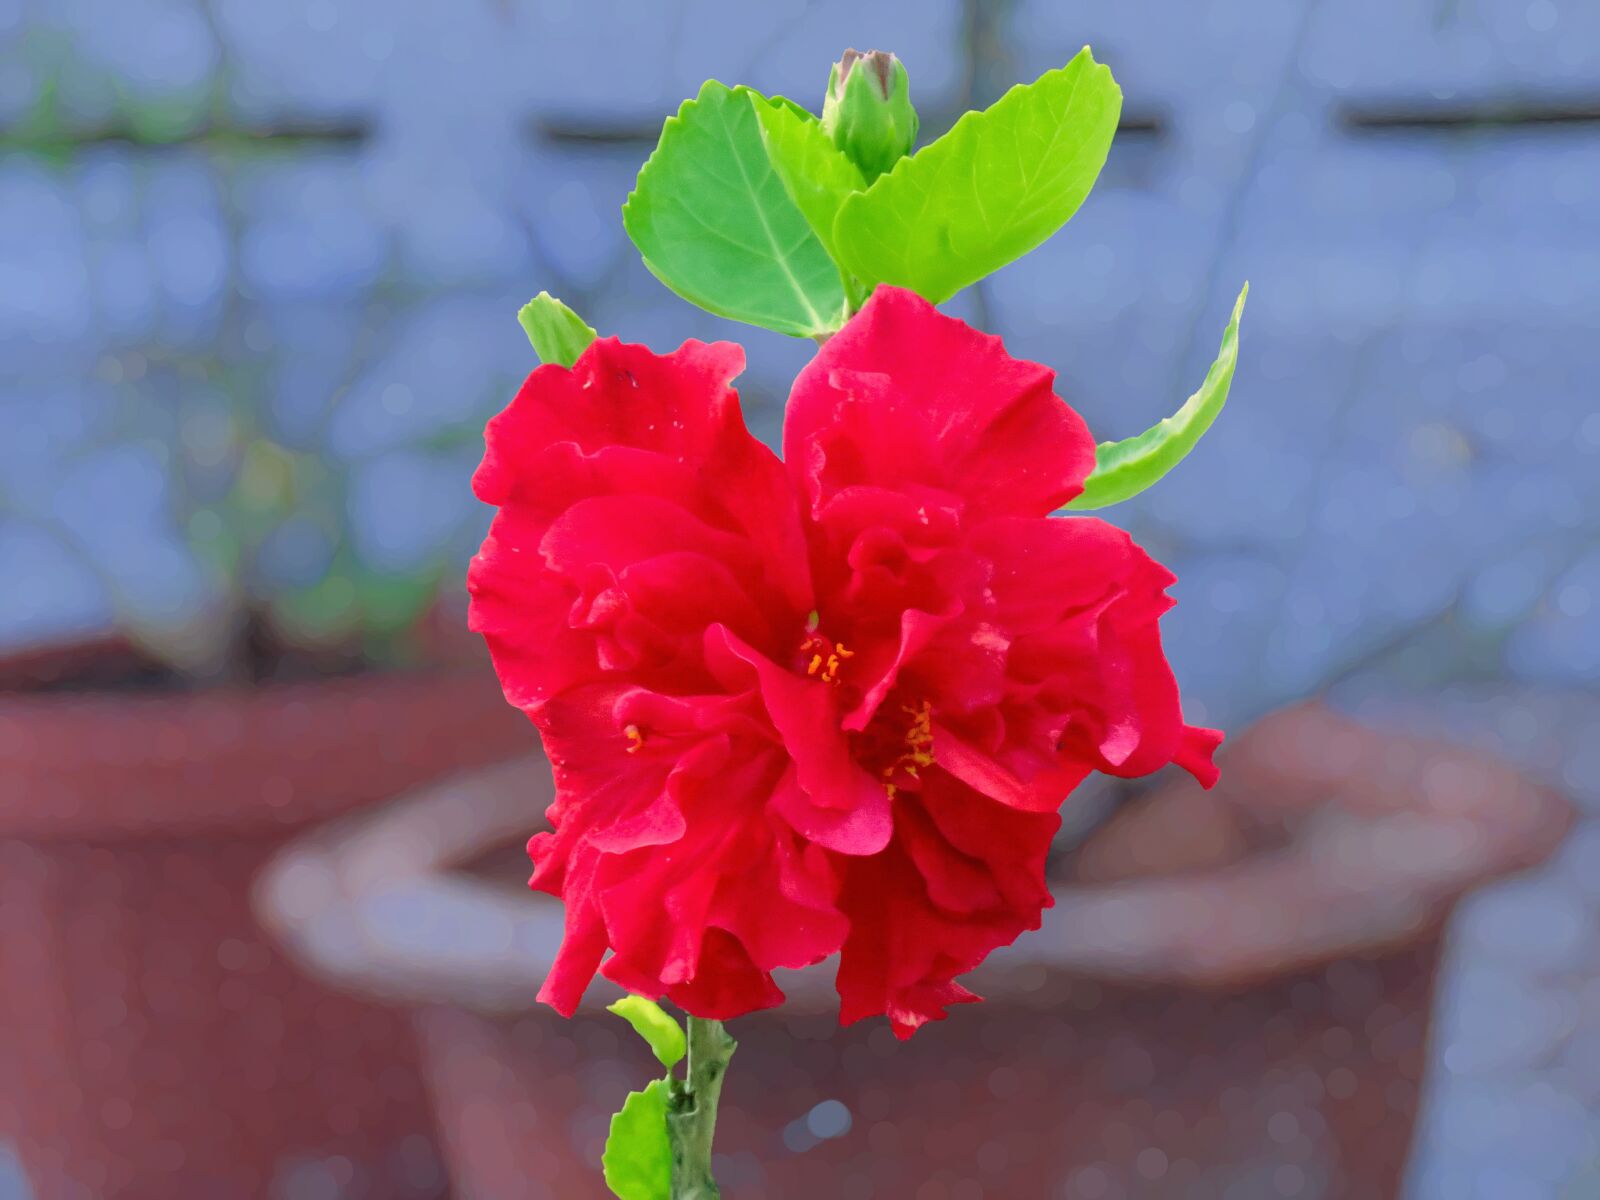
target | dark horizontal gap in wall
[
  {"x": 576, "y": 131},
  {"x": 1467, "y": 115},
  {"x": 1149, "y": 125},
  {"x": 278, "y": 135},
  {"x": 628, "y": 132}
]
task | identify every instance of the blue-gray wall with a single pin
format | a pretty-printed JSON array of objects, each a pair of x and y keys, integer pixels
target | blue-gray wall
[{"x": 1402, "y": 500}]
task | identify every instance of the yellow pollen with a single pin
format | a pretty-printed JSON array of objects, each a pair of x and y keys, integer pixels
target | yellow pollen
[
  {"x": 830, "y": 669},
  {"x": 826, "y": 661},
  {"x": 635, "y": 738},
  {"x": 919, "y": 738},
  {"x": 918, "y": 751}
]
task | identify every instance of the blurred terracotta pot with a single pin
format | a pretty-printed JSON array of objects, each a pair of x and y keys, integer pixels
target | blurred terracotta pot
[
  {"x": 152, "y": 1041},
  {"x": 1230, "y": 997}
]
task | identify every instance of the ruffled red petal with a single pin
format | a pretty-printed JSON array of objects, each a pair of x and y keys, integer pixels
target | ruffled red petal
[
  {"x": 828, "y": 709},
  {"x": 904, "y": 395},
  {"x": 635, "y": 510},
  {"x": 963, "y": 877}
]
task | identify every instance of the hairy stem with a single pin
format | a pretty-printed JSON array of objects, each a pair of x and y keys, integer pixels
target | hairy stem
[{"x": 692, "y": 1119}]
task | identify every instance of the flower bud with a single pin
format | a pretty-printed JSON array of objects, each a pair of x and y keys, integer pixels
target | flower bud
[{"x": 868, "y": 111}]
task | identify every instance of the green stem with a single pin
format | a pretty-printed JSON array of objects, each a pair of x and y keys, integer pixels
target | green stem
[{"x": 692, "y": 1119}]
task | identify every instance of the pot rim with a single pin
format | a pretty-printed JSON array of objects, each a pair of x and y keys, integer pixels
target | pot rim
[
  {"x": 108, "y": 765},
  {"x": 374, "y": 903}
]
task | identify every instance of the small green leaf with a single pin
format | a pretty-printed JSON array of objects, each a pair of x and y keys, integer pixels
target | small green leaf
[
  {"x": 994, "y": 187},
  {"x": 715, "y": 224},
  {"x": 816, "y": 173},
  {"x": 663, "y": 1033},
  {"x": 1123, "y": 469},
  {"x": 558, "y": 334},
  {"x": 638, "y": 1155}
]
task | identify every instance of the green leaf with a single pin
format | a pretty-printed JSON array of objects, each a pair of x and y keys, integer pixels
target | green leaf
[
  {"x": 1123, "y": 469},
  {"x": 558, "y": 334},
  {"x": 663, "y": 1033},
  {"x": 715, "y": 224},
  {"x": 638, "y": 1156},
  {"x": 994, "y": 187},
  {"x": 817, "y": 174}
]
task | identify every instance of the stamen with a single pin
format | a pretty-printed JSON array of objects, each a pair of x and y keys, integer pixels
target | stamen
[
  {"x": 917, "y": 752},
  {"x": 919, "y": 737},
  {"x": 827, "y": 658},
  {"x": 635, "y": 738}
]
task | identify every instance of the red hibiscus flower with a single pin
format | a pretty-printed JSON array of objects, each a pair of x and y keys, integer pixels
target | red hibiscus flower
[{"x": 825, "y": 705}]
